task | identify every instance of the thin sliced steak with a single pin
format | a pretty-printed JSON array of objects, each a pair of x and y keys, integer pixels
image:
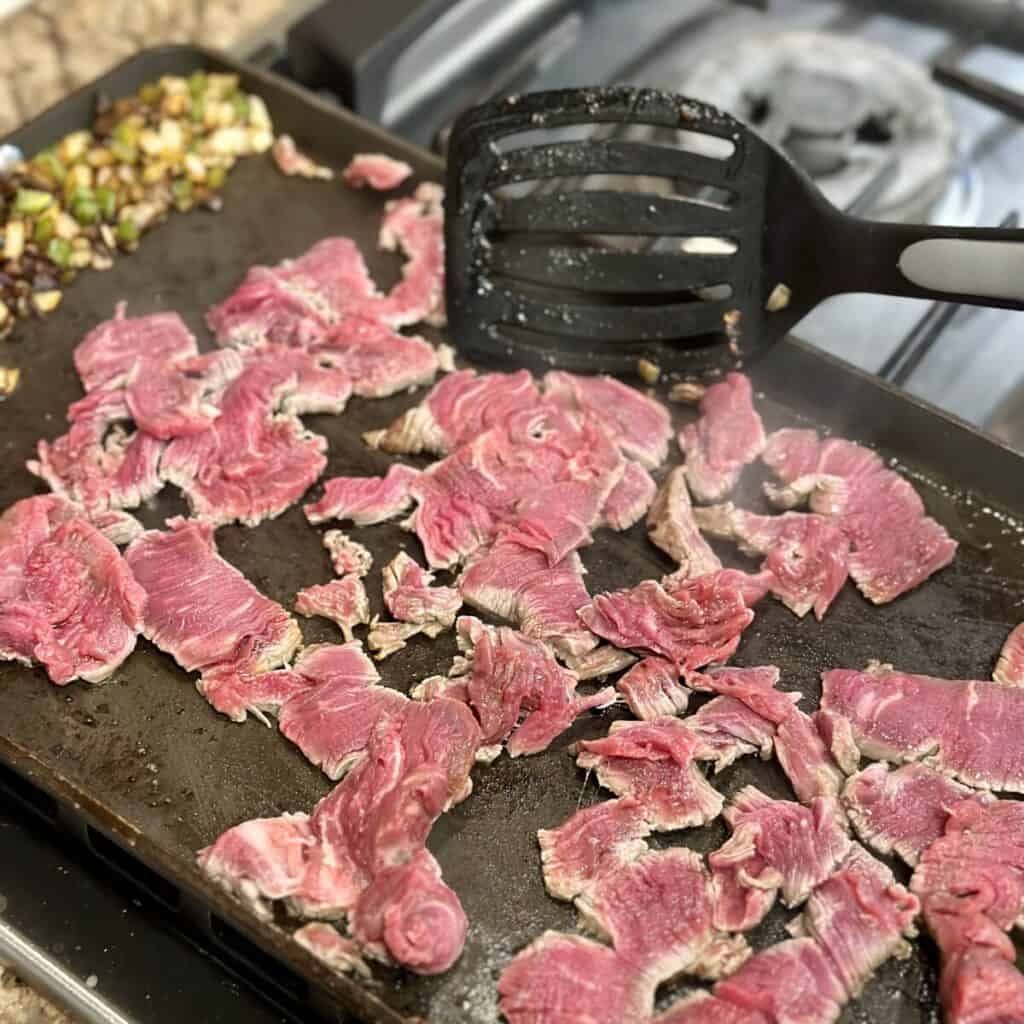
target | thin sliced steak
[
  {"x": 520, "y": 694},
  {"x": 362, "y": 850},
  {"x": 652, "y": 689},
  {"x": 792, "y": 982},
  {"x": 67, "y": 598},
  {"x": 332, "y": 721},
  {"x": 901, "y": 810},
  {"x": 639, "y": 425},
  {"x": 631, "y": 497},
  {"x": 257, "y": 458},
  {"x": 673, "y": 528},
  {"x": 807, "y": 555},
  {"x": 599, "y": 663},
  {"x": 459, "y": 408},
  {"x": 385, "y": 638},
  {"x": 569, "y": 978},
  {"x": 379, "y": 360},
  {"x": 703, "y": 1008},
  {"x": 201, "y": 610},
  {"x": 410, "y": 596},
  {"x": 348, "y": 556},
  {"x": 517, "y": 584},
  {"x": 894, "y": 545},
  {"x": 860, "y": 917},
  {"x": 364, "y": 499},
  {"x": 329, "y": 946},
  {"x": 97, "y": 464},
  {"x": 776, "y": 846},
  {"x": 148, "y": 357},
  {"x": 343, "y": 601},
  {"x": 592, "y": 843},
  {"x": 727, "y": 437},
  {"x": 1010, "y": 667},
  {"x": 378, "y": 170},
  {"x": 654, "y": 763},
  {"x": 969, "y": 729},
  {"x": 657, "y": 913},
  {"x": 700, "y": 622},
  {"x": 727, "y": 729},
  {"x": 806, "y": 760},
  {"x": 543, "y": 477}
]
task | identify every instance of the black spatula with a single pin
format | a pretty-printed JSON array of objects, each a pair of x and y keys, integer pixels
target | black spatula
[{"x": 571, "y": 243}]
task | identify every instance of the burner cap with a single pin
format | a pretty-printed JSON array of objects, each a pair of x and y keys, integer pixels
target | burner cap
[{"x": 846, "y": 110}]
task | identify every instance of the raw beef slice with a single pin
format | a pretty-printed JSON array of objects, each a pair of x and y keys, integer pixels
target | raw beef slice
[{"x": 67, "y": 598}]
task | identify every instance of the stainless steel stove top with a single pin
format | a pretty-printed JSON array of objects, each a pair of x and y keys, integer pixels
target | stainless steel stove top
[{"x": 876, "y": 106}]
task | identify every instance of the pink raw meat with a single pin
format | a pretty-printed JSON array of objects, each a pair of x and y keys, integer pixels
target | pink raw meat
[
  {"x": 592, "y": 843},
  {"x": 698, "y": 623},
  {"x": 1010, "y": 667},
  {"x": 657, "y": 913},
  {"x": 630, "y": 498},
  {"x": 653, "y": 762},
  {"x": 329, "y": 946},
  {"x": 894, "y": 545},
  {"x": 379, "y": 171},
  {"x": 380, "y": 361},
  {"x": 67, "y": 598},
  {"x": 517, "y": 584},
  {"x": 331, "y": 723},
  {"x": 265, "y": 308},
  {"x": 568, "y": 978},
  {"x": 523, "y": 465},
  {"x": 755, "y": 687},
  {"x": 263, "y": 859},
  {"x": 807, "y": 555},
  {"x": 727, "y": 437},
  {"x": 727, "y": 729},
  {"x": 792, "y": 982},
  {"x": 459, "y": 408},
  {"x": 517, "y": 690},
  {"x": 652, "y": 689},
  {"x": 703, "y": 1008},
  {"x": 343, "y": 601},
  {"x": 901, "y": 810},
  {"x": 410, "y": 596},
  {"x": 364, "y": 499},
  {"x": 252, "y": 464},
  {"x": 201, "y": 610},
  {"x": 145, "y": 356},
  {"x": 859, "y": 917},
  {"x": 673, "y": 528},
  {"x": 97, "y": 464},
  {"x": 639, "y": 425},
  {"x": 347, "y": 556},
  {"x": 969, "y": 729},
  {"x": 362, "y": 849},
  {"x": 775, "y": 846},
  {"x": 599, "y": 663},
  {"x": 407, "y": 913}
]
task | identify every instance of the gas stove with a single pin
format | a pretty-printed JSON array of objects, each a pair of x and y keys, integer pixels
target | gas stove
[{"x": 911, "y": 114}]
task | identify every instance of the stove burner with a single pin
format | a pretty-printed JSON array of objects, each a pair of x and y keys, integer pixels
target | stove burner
[{"x": 844, "y": 109}]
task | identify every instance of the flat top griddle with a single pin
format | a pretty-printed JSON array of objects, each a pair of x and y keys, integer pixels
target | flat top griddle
[{"x": 146, "y": 772}]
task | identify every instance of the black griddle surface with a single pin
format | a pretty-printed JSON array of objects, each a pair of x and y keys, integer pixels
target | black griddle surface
[{"x": 144, "y": 760}]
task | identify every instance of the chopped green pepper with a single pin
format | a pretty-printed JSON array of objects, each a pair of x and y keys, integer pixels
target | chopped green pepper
[
  {"x": 241, "y": 105},
  {"x": 151, "y": 94},
  {"x": 85, "y": 210},
  {"x": 44, "y": 230},
  {"x": 50, "y": 165},
  {"x": 127, "y": 231},
  {"x": 197, "y": 82},
  {"x": 106, "y": 199},
  {"x": 215, "y": 177},
  {"x": 31, "y": 201},
  {"x": 59, "y": 250},
  {"x": 182, "y": 189},
  {"x": 124, "y": 151}
]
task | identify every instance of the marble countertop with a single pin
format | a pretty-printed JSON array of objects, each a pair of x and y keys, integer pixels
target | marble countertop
[{"x": 54, "y": 46}]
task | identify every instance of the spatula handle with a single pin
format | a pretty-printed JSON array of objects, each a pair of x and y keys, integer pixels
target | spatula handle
[{"x": 979, "y": 266}]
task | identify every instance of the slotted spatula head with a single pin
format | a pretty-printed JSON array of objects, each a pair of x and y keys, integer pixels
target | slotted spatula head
[{"x": 571, "y": 244}]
